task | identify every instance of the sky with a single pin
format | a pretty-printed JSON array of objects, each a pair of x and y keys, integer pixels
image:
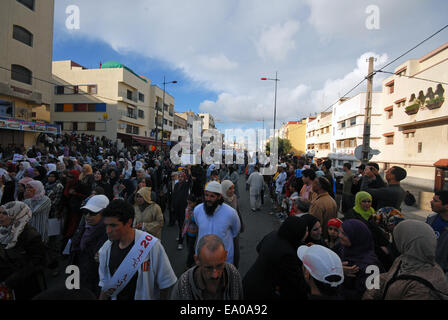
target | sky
[{"x": 217, "y": 50}]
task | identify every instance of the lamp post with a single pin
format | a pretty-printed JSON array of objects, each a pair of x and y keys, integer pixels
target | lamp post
[
  {"x": 163, "y": 109},
  {"x": 275, "y": 99}
]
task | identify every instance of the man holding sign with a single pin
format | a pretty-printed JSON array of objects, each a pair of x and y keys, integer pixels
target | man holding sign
[{"x": 133, "y": 263}]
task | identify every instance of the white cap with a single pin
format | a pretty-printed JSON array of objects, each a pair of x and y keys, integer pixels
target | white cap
[
  {"x": 283, "y": 165},
  {"x": 97, "y": 203},
  {"x": 213, "y": 186},
  {"x": 321, "y": 262}
]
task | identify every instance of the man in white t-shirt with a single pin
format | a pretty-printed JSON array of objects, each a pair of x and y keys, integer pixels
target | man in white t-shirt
[
  {"x": 215, "y": 217},
  {"x": 154, "y": 276}
]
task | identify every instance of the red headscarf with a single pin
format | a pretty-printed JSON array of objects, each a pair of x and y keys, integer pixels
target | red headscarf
[{"x": 70, "y": 185}]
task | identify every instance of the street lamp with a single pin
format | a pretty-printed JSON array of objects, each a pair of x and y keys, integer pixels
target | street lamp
[
  {"x": 275, "y": 98},
  {"x": 163, "y": 110}
]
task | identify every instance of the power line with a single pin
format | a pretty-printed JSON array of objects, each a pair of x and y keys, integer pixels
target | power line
[
  {"x": 446, "y": 26},
  {"x": 413, "y": 77},
  {"x": 381, "y": 70}
]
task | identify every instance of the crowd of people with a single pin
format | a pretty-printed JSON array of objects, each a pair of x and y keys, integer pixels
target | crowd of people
[{"x": 104, "y": 207}]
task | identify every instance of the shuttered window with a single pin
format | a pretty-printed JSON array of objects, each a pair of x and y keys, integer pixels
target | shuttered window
[{"x": 21, "y": 74}]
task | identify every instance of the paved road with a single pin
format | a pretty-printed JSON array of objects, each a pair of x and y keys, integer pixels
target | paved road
[{"x": 257, "y": 225}]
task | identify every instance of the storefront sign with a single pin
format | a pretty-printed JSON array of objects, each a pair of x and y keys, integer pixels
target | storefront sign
[{"x": 14, "y": 124}]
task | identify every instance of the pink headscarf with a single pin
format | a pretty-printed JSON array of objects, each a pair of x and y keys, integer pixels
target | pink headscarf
[{"x": 25, "y": 180}]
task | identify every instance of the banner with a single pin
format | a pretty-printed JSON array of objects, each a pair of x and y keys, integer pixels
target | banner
[{"x": 14, "y": 124}]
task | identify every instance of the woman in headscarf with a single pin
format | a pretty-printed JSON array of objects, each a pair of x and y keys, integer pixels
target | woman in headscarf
[
  {"x": 86, "y": 178},
  {"x": 54, "y": 190},
  {"x": 23, "y": 166},
  {"x": 22, "y": 257},
  {"x": 364, "y": 212},
  {"x": 277, "y": 272},
  {"x": 74, "y": 194},
  {"x": 100, "y": 180},
  {"x": 228, "y": 194},
  {"x": 148, "y": 215},
  {"x": 415, "y": 275},
  {"x": 50, "y": 167},
  {"x": 8, "y": 186},
  {"x": 40, "y": 174},
  {"x": 21, "y": 188},
  {"x": 29, "y": 173},
  {"x": 40, "y": 205},
  {"x": 357, "y": 253},
  {"x": 179, "y": 204},
  {"x": 314, "y": 230}
]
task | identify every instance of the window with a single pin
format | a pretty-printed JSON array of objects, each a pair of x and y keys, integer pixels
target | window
[
  {"x": 90, "y": 126},
  {"x": 342, "y": 124},
  {"x": 6, "y": 108},
  {"x": 131, "y": 113},
  {"x": 21, "y": 74},
  {"x": 171, "y": 123},
  {"x": 129, "y": 94},
  {"x": 353, "y": 121},
  {"x": 75, "y": 126},
  {"x": 389, "y": 139},
  {"x": 68, "y": 107},
  {"x": 100, "y": 107},
  {"x": 59, "y": 89},
  {"x": 22, "y": 35},
  {"x": 33, "y": 114},
  {"x": 135, "y": 130},
  {"x": 420, "y": 147},
  {"x": 92, "y": 89},
  {"x": 91, "y": 107},
  {"x": 59, "y": 107},
  {"x": 389, "y": 113},
  {"x": 165, "y": 121},
  {"x": 27, "y": 3},
  {"x": 80, "y": 107},
  {"x": 141, "y": 97},
  {"x": 165, "y": 107},
  {"x": 128, "y": 128},
  {"x": 141, "y": 114}
]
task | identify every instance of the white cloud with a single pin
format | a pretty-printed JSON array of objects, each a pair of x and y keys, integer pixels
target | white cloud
[
  {"x": 277, "y": 41},
  {"x": 226, "y": 46}
]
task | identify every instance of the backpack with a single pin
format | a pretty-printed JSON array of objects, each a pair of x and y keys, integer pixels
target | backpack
[
  {"x": 409, "y": 199},
  {"x": 425, "y": 282}
]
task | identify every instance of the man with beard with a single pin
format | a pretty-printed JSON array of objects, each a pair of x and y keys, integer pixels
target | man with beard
[{"x": 215, "y": 217}]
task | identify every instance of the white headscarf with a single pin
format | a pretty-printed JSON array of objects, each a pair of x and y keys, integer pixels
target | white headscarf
[
  {"x": 51, "y": 167},
  {"x": 20, "y": 214}
]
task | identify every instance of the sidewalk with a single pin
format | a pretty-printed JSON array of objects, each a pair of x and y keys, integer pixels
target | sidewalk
[{"x": 414, "y": 213}]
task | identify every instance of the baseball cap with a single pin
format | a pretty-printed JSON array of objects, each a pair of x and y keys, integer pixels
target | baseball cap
[
  {"x": 213, "y": 186},
  {"x": 321, "y": 262},
  {"x": 97, "y": 203}
]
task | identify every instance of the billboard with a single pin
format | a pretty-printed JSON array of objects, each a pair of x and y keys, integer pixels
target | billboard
[{"x": 14, "y": 124}]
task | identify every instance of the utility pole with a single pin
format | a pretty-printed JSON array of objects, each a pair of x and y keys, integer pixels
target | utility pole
[{"x": 367, "y": 115}]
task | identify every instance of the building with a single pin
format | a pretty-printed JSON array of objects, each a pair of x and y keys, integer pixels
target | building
[
  {"x": 295, "y": 132},
  {"x": 26, "y": 37},
  {"x": 191, "y": 117},
  {"x": 111, "y": 101},
  {"x": 208, "y": 122},
  {"x": 318, "y": 137},
  {"x": 414, "y": 131},
  {"x": 348, "y": 128},
  {"x": 166, "y": 113},
  {"x": 179, "y": 122}
]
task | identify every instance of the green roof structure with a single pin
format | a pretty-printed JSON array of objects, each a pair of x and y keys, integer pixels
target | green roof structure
[{"x": 117, "y": 65}]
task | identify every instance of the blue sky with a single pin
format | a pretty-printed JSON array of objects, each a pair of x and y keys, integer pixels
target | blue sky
[{"x": 218, "y": 50}]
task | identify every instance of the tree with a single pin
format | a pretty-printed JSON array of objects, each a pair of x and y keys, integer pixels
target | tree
[{"x": 284, "y": 146}]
